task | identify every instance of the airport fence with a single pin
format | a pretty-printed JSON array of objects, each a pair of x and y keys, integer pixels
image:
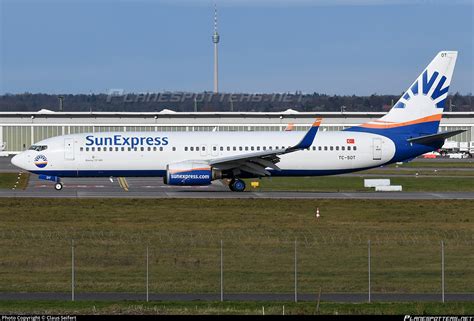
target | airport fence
[{"x": 237, "y": 263}]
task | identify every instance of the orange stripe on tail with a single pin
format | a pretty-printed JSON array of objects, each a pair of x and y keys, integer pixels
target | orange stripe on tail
[{"x": 436, "y": 117}]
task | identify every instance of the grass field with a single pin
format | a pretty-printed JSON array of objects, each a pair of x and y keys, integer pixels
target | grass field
[
  {"x": 8, "y": 180},
  {"x": 355, "y": 183},
  {"x": 184, "y": 236},
  {"x": 255, "y": 308}
]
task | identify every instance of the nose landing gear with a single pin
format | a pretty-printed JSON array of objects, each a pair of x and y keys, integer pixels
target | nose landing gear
[
  {"x": 237, "y": 185},
  {"x": 57, "y": 181}
]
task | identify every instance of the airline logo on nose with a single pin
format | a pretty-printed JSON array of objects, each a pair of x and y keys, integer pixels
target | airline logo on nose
[{"x": 40, "y": 161}]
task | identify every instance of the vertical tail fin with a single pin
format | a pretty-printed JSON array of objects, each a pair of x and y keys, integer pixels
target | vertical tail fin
[{"x": 423, "y": 102}]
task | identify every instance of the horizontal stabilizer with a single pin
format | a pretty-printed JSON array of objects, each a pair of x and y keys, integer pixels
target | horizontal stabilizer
[{"x": 435, "y": 137}]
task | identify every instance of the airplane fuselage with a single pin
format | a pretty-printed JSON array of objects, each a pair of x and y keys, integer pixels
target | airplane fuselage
[{"x": 149, "y": 153}]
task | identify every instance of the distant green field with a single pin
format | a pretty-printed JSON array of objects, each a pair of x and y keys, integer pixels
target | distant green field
[
  {"x": 469, "y": 163},
  {"x": 354, "y": 183},
  {"x": 246, "y": 308},
  {"x": 184, "y": 237},
  {"x": 424, "y": 172}
]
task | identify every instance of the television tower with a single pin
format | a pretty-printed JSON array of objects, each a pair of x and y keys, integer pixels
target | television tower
[{"x": 215, "y": 40}]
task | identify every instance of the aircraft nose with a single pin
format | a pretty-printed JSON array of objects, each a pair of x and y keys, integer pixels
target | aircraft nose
[{"x": 16, "y": 160}]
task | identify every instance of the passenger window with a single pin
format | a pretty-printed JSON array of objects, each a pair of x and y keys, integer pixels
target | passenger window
[
  {"x": 93, "y": 149},
  {"x": 337, "y": 147},
  {"x": 82, "y": 149},
  {"x": 251, "y": 148},
  {"x": 348, "y": 147},
  {"x": 228, "y": 148},
  {"x": 234, "y": 148},
  {"x": 258, "y": 147},
  {"x": 111, "y": 149},
  {"x": 240, "y": 148},
  {"x": 320, "y": 148},
  {"x": 116, "y": 149},
  {"x": 142, "y": 148},
  {"x": 203, "y": 148},
  {"x": 129, "y": 149},
  {"x": 355, "y": 148},
  {"x": 325, "y": 148},
  {"x": 191, "y": 149},
  {"x": 87, "y": 149},
  {"x": 246, "y": 148},
  {"x": 264, "y": 148},
  {"x": 161, "y": 149},
  {"x": 149, "y": 148},
  {"x": 343, "y": 147},
  {"x": 197, "y": 149},
  {"x": 174, "y": 149},
  {"x": 214, "y": 148},
  {"x": 331, "y": 148},
  {"x": 222, "y": 148},
  {"x": 185, "y": 149},
  {"x": 98, "y": 149}
]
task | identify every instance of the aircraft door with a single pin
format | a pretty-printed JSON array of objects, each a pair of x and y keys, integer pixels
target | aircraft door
[
  {"x": 377, "y": 148},
  {"x": 69, "y": 148}
]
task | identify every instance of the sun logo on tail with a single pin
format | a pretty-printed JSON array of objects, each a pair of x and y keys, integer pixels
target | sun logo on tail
[{"x": 427, "y": 82}]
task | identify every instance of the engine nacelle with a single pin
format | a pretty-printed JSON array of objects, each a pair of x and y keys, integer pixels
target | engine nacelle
[{"x": 190, "y": 174}]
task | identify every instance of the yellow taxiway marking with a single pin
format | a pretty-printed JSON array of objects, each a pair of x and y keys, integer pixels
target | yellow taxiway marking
[{"x": 123, "y": 183}]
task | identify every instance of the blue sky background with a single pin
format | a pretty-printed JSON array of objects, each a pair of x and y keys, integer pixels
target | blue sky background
[{"x": 334, "y": 47}]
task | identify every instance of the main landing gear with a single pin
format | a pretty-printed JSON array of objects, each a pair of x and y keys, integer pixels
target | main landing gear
[{"x": 237, "y": 185}]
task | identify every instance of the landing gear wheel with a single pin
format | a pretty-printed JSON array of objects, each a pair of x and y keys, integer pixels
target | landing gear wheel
[
  {"x": 237, "y": 185},
  {"x": 58, "y": 186},
  {"x": 231, "y": 185}
]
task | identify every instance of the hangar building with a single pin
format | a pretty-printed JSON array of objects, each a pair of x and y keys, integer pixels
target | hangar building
[{"x": 19, "y": 130}]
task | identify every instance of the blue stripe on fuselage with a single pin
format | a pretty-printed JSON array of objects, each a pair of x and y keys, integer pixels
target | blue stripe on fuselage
[{"x": 161, "y": 173}]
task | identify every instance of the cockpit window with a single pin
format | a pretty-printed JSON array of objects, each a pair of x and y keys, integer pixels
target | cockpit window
[{"x": 38, "y": 148}]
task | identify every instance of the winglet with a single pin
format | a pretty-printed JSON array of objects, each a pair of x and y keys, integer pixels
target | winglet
[{"x": 308, "y": 139}]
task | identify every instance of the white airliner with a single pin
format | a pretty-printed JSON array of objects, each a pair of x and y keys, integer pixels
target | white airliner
[{"x": 197, "y": 158}]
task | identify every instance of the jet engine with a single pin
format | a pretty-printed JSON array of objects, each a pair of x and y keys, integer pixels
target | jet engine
[{"x": 190, "y": 173}]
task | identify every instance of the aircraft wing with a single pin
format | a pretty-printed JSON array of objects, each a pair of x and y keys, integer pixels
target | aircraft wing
[{"x": 256, "y": 163}]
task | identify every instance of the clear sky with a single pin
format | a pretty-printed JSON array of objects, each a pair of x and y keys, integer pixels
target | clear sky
[{"x": 328, "y": 46}]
